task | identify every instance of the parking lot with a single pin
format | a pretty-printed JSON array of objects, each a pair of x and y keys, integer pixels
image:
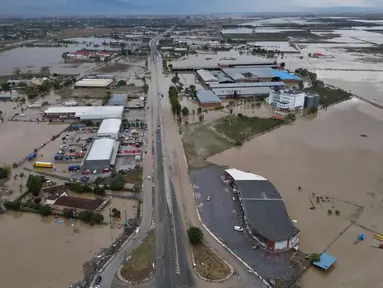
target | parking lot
[{"x": 220, "y": 212}]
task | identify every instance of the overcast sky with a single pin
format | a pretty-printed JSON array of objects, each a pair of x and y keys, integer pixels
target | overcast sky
[{"x": 52, "y": 7}]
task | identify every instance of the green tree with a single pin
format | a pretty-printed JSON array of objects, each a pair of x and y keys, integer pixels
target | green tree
[
  {"x": 121, "y": 83},
  {"x": 45, "y": 210},
  {"x": 185, "y": 111},
  {"x": 98, "y": 190},
  {"x": 195, "y": 235},
  {"x": 117, "y": 182},
  {"x": 97, "y": 58},
  {"x": 314, "y": 257},
  {"x": 116, "y": 213},
  {"x": 5, "y": 172},
  {"x": 199, "y": 110},
  {"x": 34, "y": 184},
  {"x": 301, "y": 85},
  {"x": 5, "y": 87}
]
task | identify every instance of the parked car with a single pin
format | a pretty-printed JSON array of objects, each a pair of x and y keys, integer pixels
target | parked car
[
  {"x": 98, "y": 279},
  {"x": 85, "y": 172},
  {"x": 238, "y": 228},
  {"x": 105, "y": 170},
  {"x": 84, "y": 178}
]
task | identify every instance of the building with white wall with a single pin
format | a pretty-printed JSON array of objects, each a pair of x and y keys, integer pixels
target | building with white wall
[
  {"x": 263, "y": 211},
  {"x": 287, "y": 99},
  {"x": 109, "y": 128}
]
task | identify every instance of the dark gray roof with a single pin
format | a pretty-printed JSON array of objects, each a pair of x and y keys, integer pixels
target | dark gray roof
[
  {"x": 207, "y": 96},
  {"x": 118, "y": 99},
  {"x": 265, "y": 211}
]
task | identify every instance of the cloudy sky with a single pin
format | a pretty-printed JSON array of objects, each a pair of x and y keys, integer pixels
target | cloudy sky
[{"x": 60, "y": 7}]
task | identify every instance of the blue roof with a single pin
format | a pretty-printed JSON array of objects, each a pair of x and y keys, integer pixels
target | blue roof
[
  {"x": 284, "y": 75},
  {"x": 207, "y": 96},
  {"x": 326, "y": 261}
]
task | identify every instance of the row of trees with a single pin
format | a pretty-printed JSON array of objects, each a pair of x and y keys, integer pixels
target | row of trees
[
  {"x": 32, "y": 206},
  {"x": 85, "y": 188},
  {"x": 86, "y": 216},
  {"x": 311, "y": 75}
]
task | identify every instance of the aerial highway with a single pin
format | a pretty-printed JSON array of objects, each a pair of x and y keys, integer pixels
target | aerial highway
[{"x": 173, "y": 209}]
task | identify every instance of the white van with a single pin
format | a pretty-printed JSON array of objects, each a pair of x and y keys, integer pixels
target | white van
[{"x": 238, "y": 228}]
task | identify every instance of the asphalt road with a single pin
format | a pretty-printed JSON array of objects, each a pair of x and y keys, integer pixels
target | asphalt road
[{"x": 172, "y": 269}]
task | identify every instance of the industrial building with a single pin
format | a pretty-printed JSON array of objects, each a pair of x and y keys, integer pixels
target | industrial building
[
  {"x": 118, "y": 100},
  {"x": 84, "y": 112},
  {"x": 206, "y": 76},
  {"x": 245, "y": 92},
  {"x": 312, "y": 101},
  {"x": 101, "y": 155},
  {"x": 246, "y": 85},
  {"x": 263, "y": 210},
  {"x": 287, "y": 99},
  {"x": 93, "y": 83},
  {"x": 207, "y": 99},
  {"x": 256, "y": 74},
  {"x": 109, "y": 128}
]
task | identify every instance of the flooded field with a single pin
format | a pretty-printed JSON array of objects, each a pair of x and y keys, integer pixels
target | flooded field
[
  {"x": 336, "y": 159},
  {"x": 33, "y": 59},
  {"x": 22, "y": 138},
  {"x": 38, "y": 252}
]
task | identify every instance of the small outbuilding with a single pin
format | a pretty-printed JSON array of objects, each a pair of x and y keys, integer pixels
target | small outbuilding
[
  {"x": 109, "y": 128},
  {"x": 207, "y": 98}
]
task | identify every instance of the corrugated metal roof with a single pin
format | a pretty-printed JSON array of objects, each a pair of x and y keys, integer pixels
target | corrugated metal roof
[
  {"x": 246, "y": 91},
  {"x": 94, "y": 83},
  {"x": 109, "y": 126},
  {"x": 89, "y": 111},
  {"x": 206, "y": 76},
  {"x": 207, "y": 96},
  {"x": 118, "y": 99},
  {"x": 101, "y": 149},
  {"x": 246, "y": 84},
  {"x": 255, "y": 71}
]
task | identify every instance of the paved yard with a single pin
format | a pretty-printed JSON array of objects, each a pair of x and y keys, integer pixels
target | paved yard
[{"x": 221, "y": 214}]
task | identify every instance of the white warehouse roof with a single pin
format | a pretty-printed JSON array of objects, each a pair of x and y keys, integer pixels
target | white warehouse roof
[
  {"x": 93, "y": 83},
  {"x": 240, "y": 175},
  {"x": 89, "y": 112},
  {"x": 109, "y": 127},
  {"x": 102, "y": 149},
  {"x": 206, "y": 76}
]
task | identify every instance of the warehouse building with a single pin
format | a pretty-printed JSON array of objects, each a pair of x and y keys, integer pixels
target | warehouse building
[
  {"x": 84, "y": 112},
  {"x": 109, "y": 128},
  {"x": 93, "y": 83},
  {"x": 118, "y": 100},
  {"x": 207, "y": 99},
  {"x": 246, "y": 92},
  {"x": 263, "y": 210},
  {"x": 246, "y": 85},
  {"x": 101, "y": 155},
  {"x": 287, "y": 100},
  {"x": 261, "y": 74},
  {"x": 206, "y": 76}
]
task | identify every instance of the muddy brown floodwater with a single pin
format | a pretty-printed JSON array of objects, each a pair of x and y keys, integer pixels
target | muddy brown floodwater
[
  {"x": 37, "y": 252},
  {"x": 338, "y": 156}
]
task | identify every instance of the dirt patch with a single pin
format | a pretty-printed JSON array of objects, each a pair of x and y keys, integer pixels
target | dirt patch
[
  {"x": 140, "y": 264},
  {"x": 209, "y": 264},
  {"x": 111, "y": 68},
  {"x": 200, "y": 143},
  {"x": 134, "y": 176}
]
